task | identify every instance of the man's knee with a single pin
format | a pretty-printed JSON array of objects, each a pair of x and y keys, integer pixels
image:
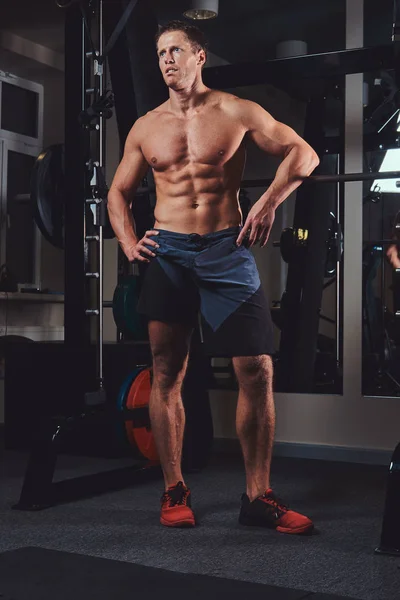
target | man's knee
[
  {"x": 254, "y": 371},
  {"x": 169, "y": 347},
  {"x": 168, "y": 370}
]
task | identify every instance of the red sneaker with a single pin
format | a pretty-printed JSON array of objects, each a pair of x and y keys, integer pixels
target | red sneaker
[
  {"x": 176, "y": 507},
  {"x": 269, "y": 511}
]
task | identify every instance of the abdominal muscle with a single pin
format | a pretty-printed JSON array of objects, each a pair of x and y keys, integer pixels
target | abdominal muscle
[{"x": 196, "y": 204}]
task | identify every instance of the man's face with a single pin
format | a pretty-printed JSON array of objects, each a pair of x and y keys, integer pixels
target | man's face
[{"x": 178, "y": 62}]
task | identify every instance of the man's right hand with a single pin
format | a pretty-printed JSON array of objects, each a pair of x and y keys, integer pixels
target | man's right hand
[
  {"x": 139, "y": 251},
  {"x": 393, "y": 256}
]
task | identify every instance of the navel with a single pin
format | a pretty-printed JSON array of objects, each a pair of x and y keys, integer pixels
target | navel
[
  {"x": 221, "y": 152},
  {"x": 153, "y": 160}
]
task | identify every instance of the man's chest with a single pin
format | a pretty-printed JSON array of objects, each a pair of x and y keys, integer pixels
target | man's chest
[{"x": 173, "y": 142}]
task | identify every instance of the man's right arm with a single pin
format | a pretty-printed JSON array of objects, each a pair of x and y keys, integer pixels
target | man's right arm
[{"x": 130, "y": 172}]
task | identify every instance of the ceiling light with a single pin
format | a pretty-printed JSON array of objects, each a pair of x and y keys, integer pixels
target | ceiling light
[{"x": 199, "y": 10}]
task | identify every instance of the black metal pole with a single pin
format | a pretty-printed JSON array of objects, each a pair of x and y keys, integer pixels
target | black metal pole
[
  {"x": 311, "y": 66},
  {"x": 390, "y": 535},
  {"x": 76, "y": 324},
  {"x": 346, "y": 177},
  {"x": 339, "y": 178},
  {"x": 302, "y": 299},
  {"x": 120, "y": 72}
]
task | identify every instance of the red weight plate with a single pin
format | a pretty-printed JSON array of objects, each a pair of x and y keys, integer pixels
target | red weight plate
[{"x": 139, "y": 397}]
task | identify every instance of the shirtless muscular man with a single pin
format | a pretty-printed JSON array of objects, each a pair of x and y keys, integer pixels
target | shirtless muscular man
[{"x": 199, "y": 260}]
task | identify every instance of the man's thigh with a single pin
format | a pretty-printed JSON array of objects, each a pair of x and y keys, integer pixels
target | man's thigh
[
  {"x": 169, "y": 343},
  {"x": 236, "y": 315},
  {"x": 168, "y": 294}
]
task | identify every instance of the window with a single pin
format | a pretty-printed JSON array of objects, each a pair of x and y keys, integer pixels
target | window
[
  {"x": 21, "y": 127},
  {"x": 19, "y": 110},
  {"x": 391, "y": 162},
  {"x": 20, "y": 236}
]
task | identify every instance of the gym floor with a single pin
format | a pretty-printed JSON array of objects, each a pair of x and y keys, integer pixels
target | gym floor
[{"x": 344, "y": 500}]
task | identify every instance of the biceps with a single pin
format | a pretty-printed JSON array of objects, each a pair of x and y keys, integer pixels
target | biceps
[
  {"x": 131, "y": 170},
  {"x": 274, "y": 137}
]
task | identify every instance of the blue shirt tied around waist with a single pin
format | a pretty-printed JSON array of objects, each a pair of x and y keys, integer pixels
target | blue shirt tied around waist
[{"x": 225, "y": 274}]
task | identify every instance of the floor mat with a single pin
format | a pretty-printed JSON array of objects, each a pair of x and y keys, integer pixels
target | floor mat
[{"x": 41, "y": 574}]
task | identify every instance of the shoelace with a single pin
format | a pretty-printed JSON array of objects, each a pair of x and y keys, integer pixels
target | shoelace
[
  {"x": 275, "y": 502},
  {"x": 178, "y": 495}
]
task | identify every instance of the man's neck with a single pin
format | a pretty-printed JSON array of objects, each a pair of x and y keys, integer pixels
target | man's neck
[{"x": 187, "y": 100}]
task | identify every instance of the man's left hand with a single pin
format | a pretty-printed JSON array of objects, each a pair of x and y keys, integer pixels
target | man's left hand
[{"x": 258, "y": 224}]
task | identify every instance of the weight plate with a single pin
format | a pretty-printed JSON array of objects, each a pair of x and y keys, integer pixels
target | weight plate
[
  {"x": 287, "y": 244},
  {"x": 47, "y": 194},
  {"x": 126, "y": 317},
  {"x": 121, "y": 403},
  {"x": 139, "y": 397}
]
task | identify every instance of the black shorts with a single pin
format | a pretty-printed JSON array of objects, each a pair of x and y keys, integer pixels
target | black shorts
[{"x": 209, "y": 275}]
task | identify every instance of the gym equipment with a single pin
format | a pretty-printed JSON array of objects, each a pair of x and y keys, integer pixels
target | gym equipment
[
  {"x": 133, "y": 403},
  {"x": 334, "y": 246},
  {"x": 339, "y": 178},
  {"x": 124, "y": 304},
  {"x": 47, "y": 194},
  {"x": 390, "y": 535},
  {"x": 293, "y": 239},
  {"x": 307, "y": 251},
  {"x": 5, "y": 340},
  {"x": 137, "y": 399},
  {"x": 323, "y": 66},
  {"x": 378, "y": 347},
  {"x": 372, "y": 312},
  {"x": 121, "y": 400},
  {"x": 77, "y": 385},
  {"x": 334, "y": 64},
  {"x": 96, "y": 108},
  {"x": 60, "y": 421},
  {"x": 7, "y": 280}
]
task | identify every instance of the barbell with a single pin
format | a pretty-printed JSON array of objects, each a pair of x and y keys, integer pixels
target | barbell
[{"x": 339, "y": 178}]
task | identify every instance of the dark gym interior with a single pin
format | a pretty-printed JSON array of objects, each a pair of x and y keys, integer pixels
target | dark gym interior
[{"x": 81, "y": 477}]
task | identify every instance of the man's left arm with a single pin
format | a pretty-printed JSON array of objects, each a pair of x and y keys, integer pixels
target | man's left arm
[{"x": 298, "y": 162}]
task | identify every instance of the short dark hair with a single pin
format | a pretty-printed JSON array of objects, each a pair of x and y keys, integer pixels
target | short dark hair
[{"x": 194, "y": 34}]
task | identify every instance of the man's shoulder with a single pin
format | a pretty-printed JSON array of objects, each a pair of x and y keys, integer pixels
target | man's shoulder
[
  {"x": 142, "y": 124},
  {"x": 246, "y": 111},
  {"x": 230, "y": 103},
  {"x": 156, "y": 113}
]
